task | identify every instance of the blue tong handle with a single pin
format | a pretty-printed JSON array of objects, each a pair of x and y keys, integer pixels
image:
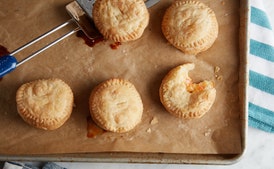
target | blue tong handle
[{"x": 7, "y": 64}]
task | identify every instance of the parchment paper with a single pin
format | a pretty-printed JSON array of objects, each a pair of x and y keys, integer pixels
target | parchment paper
[{"x": 144, "y": 62}]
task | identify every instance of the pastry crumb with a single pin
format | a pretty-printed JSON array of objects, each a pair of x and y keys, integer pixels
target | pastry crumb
[
  {"x": 148, "y": 130},
  {"x": 217, "y": 69},
  {"x": 219, "y": 77},
  {"x": 131, "y": 138},
  {"x": 154, "y": 121},
  {"x": 207, "y": 133},
  {"x": 125, "y": 52}
]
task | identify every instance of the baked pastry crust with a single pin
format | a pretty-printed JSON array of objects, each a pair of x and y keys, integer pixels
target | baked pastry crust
[
  {"x": 115, "y": 105},
  {"x": 120, "y": 20},
  {"x": 183, "y": 98},
  {"x": 190, "y": 26},
  {"x": 46, "y": 104}
]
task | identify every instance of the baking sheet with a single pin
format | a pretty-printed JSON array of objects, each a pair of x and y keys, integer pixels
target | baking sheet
[{"x": 143, "y": 62}]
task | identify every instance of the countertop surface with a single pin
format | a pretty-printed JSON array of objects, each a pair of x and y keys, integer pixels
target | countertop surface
[{"x": 259, "y": 152}]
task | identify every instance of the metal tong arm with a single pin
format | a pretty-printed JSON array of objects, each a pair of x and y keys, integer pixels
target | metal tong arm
[
  {"x": 9, "y": 62},
  {"x": 41, "y": 37},
  {"x": 47, "y": 46}
]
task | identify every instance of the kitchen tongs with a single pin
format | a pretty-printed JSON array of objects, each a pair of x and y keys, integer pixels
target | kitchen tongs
[
  {"x": 8, "y": 62},
  {"x": 81, "y": 13}
]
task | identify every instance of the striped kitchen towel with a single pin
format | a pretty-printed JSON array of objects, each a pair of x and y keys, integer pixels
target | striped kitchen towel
[{"x": 261, "y": 69}]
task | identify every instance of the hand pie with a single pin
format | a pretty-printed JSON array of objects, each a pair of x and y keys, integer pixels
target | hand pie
[
  {"x": 183, "y": 98},
  {"x": 115, "y": 105},
  {"x": 190, "y": 26},
  {"x": 46, "y": 104},
  {"x": 120, "y": 20}
]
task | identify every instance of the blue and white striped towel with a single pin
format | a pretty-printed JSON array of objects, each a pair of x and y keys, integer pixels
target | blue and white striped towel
[{"x": 261, "y": 69}]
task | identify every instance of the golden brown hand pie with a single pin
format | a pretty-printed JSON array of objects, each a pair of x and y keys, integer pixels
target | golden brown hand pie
[
  {"x": 46, "y": 104},
  {"x": 183, "y": 98},
  {"x": 115, "y": 105},
  {"x": 120, "y": 20},
  {"x": 190, "y": 26}
]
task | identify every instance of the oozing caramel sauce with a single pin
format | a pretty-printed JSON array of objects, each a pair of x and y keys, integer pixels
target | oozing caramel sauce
[
  {"x": 3, "y": 51},
  {"x": 90, "y": 42},
  {"x": 97, "y": 38},
  {"x": 92, "y": 129},
  {"x": 115, "y": 45}
]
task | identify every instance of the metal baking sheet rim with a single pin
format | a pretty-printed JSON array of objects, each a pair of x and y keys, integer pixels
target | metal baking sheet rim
[{"x": 172, "y": 158}]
